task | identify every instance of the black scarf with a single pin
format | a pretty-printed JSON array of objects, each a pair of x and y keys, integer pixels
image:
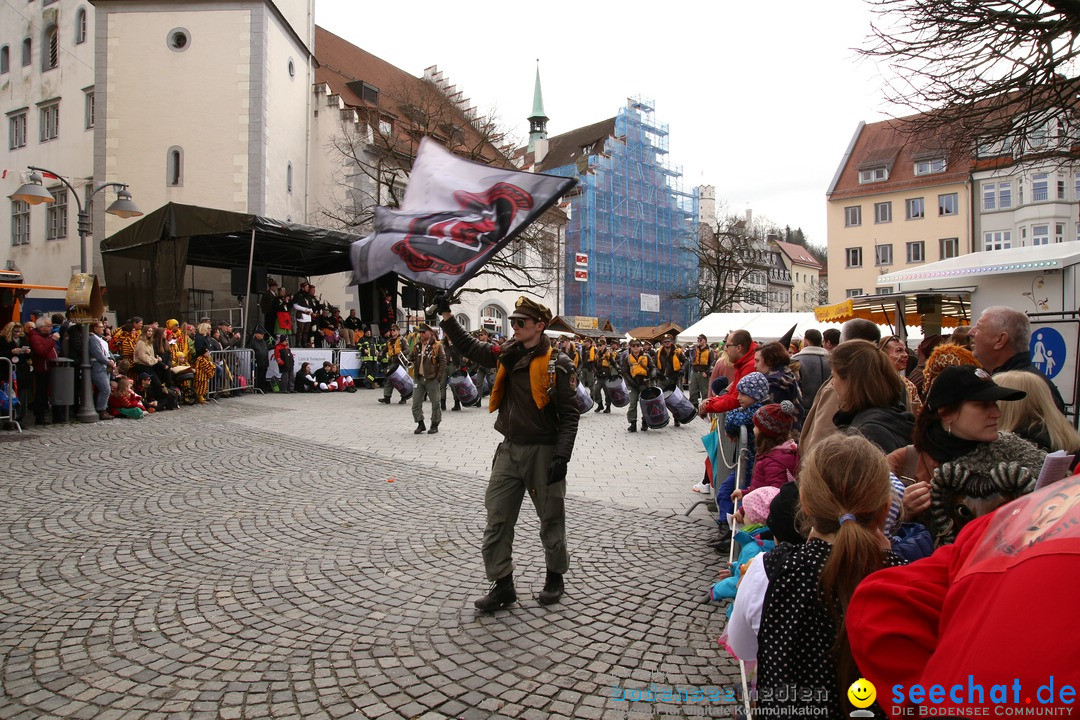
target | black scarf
[{"x": 944, "y": 447}]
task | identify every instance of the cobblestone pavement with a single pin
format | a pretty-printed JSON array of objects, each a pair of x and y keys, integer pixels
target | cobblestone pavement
[{"x": 308, "y": 557}]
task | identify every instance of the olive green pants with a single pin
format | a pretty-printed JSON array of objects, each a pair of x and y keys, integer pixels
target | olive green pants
[
  {"x": 699, "y": 387},
  {"x": 635, "y": 395},
  {"x": 426, "y": 390},
  {"x": 515, "y": 470}
]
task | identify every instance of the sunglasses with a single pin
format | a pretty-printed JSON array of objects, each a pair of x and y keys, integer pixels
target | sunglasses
[{"x": 518, "y": 322}]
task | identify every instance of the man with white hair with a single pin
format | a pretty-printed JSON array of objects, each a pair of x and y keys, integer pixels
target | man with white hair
[{"x": 1001, "y": 340}]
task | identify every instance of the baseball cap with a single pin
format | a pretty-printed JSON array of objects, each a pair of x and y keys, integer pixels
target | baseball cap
[{"x": 961, "y": 383}]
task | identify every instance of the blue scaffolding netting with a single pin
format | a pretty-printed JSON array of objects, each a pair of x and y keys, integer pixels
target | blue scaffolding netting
[{"x": 632, "y": 218}]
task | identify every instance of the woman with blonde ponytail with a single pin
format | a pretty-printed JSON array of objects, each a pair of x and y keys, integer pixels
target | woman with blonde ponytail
[{"x": 844, "y": 492}]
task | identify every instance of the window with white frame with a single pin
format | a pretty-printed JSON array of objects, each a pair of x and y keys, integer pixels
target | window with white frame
[
  {"x": 17, "y": 130},
  {"x": 989, "y": 196},
  {"x": 854, "y": 257},
  {"x": 914, "y": 208},
  {"x": 56, "y": 220},
  {"x": 1059, "y": 232},
  {"x": 20, "y": 222},
  {"x": 882, "y": 212},
  {"x": 50, "y": 121},
  {"x": 1004, "y": 195},
  {"x": 996, "y": 240},
  {"x": 89, "y": 110},
  {"x": 853, "y": 292},
  {"x": 948, "y": 204},
  {"x": 1040, "y": 234},
  {"x": 1040, "y": 187},
  {"x": 853, "y": 216},
  {"x": 883, "y": 254},
  {"x": 1060, "y": 189},
  {"x": 873, "y": 175},
  {"x": 80, "y": 26},
  {"x": 916, "y": 252},
  {"x": 950, "y": 247},
  {"x": 929, "y": 167}
]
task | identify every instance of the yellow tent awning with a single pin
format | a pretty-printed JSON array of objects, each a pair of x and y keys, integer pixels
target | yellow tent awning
[{"x": 882, "y": 309}]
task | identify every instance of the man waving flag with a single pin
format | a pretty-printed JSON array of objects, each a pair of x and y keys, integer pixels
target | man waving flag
[{"x": 456, "y": 215}]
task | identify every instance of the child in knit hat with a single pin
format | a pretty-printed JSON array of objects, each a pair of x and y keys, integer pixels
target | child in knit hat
[{"x": 777, "y": 454}]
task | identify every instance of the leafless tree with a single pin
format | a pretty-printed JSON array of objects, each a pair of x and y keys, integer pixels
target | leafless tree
[
  {"x": 981, "y": 72},
  {"x": 728, "y": 255},
  {"x": 378, "y": 150}
]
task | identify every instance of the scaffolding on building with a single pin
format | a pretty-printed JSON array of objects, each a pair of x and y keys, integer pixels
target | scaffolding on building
[{"x": 632, "y": 219}]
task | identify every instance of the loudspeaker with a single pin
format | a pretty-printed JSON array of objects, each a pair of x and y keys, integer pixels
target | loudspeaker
[
  {"x": 257, "y": 282},
  {"x": 412, "y": 298},
  {"x": 370, "y": 296}
]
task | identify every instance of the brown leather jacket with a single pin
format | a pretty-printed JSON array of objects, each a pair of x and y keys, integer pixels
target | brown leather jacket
[{"x": 519, "y": 419}]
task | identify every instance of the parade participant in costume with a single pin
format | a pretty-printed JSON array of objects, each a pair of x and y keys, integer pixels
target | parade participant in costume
[
  {"x": 326, "y": 378},
  {"x": 429, "y": 364},
  {"x": 670, "y": 363},
  {"x": 703, "y": 358},
  {"x": 268, "y": 303},
  {"x": 607, "y": 368},
  {"x": 538, "y": 417},
  {"x": 284, "y": 358},
  {"x": 354, "y": 326},
  {"x": 637, "y": 369},
  {"x": 303, "y": 303},
  {"x": 590, "y": 359},
  {"x": 394, "y": 351}
]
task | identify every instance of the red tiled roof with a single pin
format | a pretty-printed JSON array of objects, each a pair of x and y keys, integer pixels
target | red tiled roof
[
  {"x": 798, "y": 254},
  {"x": 892, "y": 140}
]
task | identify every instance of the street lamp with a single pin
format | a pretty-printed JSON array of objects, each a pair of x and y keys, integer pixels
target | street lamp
[{"x": 33, "y": 193}]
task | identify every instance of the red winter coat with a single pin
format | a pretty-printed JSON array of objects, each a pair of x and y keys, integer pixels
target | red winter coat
[
  {"x": 775, "y": 468},
  {"x": 994, "y": 608},
  {"x": 730, "y": 399},
  {"x": 43, "y": 348}
]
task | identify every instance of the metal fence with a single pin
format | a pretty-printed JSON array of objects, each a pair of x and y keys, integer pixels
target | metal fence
[
  {"x": 234, "y": 373},
  {"x": 8, "y": 418}
]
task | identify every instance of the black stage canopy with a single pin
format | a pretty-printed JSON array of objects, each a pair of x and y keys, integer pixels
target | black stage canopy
[{"x": 145, "y": 262}]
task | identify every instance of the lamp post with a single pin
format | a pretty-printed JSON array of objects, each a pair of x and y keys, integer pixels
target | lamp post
[{"x": 33, "y": 193}]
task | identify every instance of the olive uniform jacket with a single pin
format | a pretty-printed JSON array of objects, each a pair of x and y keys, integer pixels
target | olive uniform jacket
[{"x": 527, "y": 415}]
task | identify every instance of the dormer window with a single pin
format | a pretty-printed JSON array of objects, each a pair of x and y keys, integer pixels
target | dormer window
[
  {"x": 873, "y": 175},
  {"x": 930, "y": 167}
]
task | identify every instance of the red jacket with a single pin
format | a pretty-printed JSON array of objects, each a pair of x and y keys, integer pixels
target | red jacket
[
  {"x": 995, "y": 608},
  {"x": 44, "y": 350},
  {"x": 730, "y": 399}
]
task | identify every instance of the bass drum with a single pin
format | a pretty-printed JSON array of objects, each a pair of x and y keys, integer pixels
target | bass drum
[
  {"x": 401, "y": 380},
  {"x": 617, "y": 392},
  {"x": 464, "y": 388},
  {"x": 583, "y": 399},
  {"x": 681, "y": 408},
  {"x": 653, "y": 410}
]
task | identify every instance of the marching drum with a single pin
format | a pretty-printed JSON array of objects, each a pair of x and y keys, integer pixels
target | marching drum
[
  {"x": 681, "y": 408},
  {"x": 617, "y": 392},
  {"x": 400, "y": 379},
  {"x": 583, "y": 398},
  {"x": 653, "y": 410},
  {"x": 464, "y": 388}
]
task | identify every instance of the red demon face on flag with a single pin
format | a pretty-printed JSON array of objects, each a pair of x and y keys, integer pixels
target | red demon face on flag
[{"x": 448, "y": 242}]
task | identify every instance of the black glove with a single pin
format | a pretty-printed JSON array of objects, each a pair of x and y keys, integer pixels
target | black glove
[
  {"x": 441, "y": 302},
  {"x": 557, "y": 471}
]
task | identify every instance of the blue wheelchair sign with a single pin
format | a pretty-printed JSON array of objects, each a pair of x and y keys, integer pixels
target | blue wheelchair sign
[{"x": 1048, "y": 350}]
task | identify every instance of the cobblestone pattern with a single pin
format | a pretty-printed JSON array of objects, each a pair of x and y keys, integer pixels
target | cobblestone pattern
[{"x": 189, "y": 566}]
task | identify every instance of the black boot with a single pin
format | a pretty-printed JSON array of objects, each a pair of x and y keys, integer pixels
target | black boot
[
  {"x": 434, "y": 429},
  {"x": 676, "y": 422},
  {"x": 644, "y": 426},
  {"x": 500, "y": 595},
  {"x": 402, "y": 401},
  {"x": 421, "y": 427},
  {"x": 457, "y": 404},
  {"x": 599, "y": 408},
  {"x": 553, "y": 589},
  {"x": 607, "y": 408},
  {"x": 442, "y": 404},
  {"x": 384, "y": 400},
  {"x": 632, "y": 428}
]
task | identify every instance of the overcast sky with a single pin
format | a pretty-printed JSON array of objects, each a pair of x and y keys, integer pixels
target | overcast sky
[{"x": 761, "y": 99}]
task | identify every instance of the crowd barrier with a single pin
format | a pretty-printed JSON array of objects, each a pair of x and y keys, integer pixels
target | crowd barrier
[
  {"x": 8, "y": 418},
  {"x": 235, "y": 372}
]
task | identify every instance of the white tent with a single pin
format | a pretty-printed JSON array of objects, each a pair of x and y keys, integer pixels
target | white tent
[{"x": 766, "y": 327}]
